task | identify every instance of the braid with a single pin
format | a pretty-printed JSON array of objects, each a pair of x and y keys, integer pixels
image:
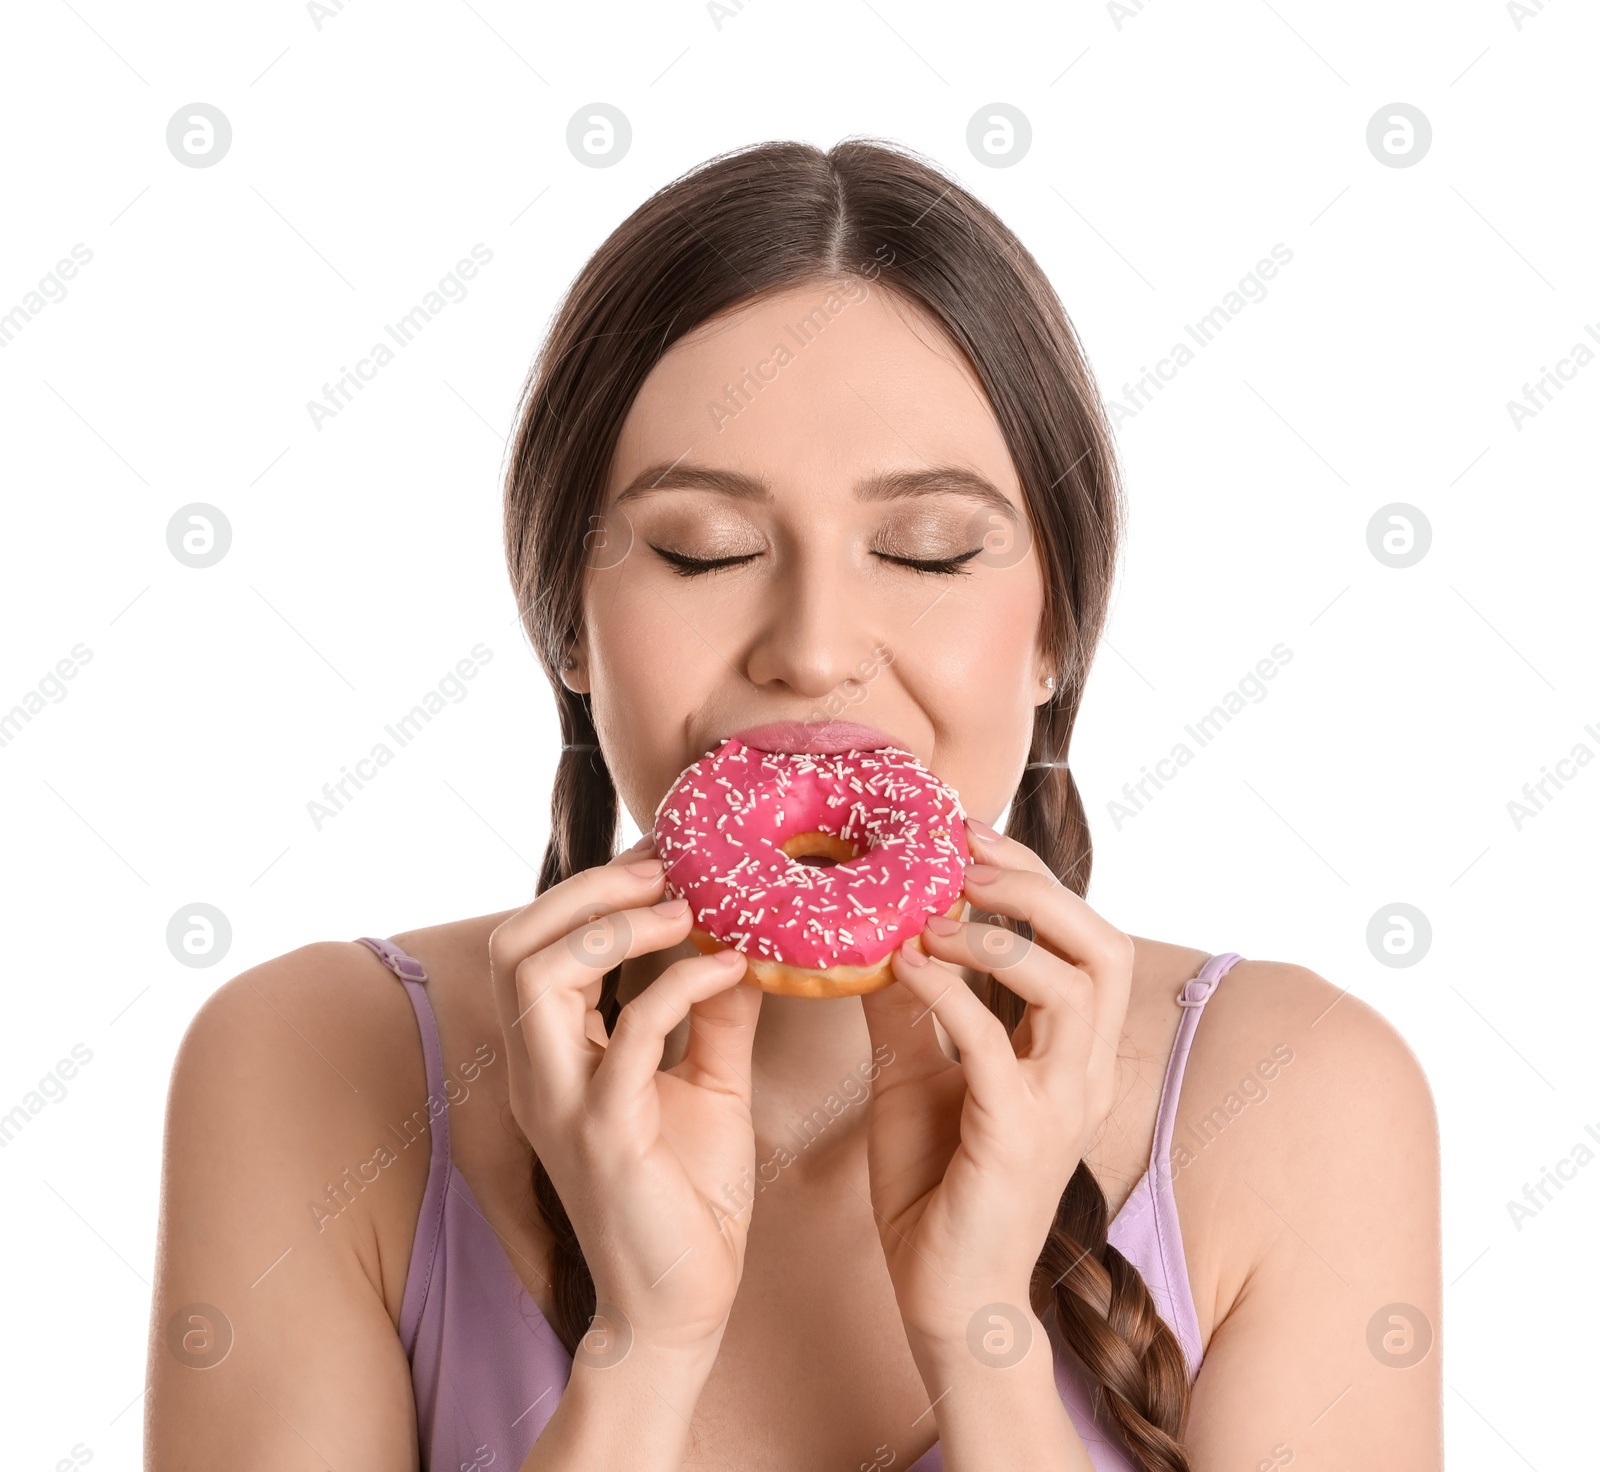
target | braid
[
  {"x": 583, "y": 803},
  {"x": 1139, "y": 1378},
  {"x": 572, "y": 1286},
  {"x": 583, "y": 828}
]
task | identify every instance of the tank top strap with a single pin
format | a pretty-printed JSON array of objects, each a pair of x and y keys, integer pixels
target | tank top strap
[
  {"x": 430, "y": 1221},
  {"x": 1192, "y": 997}
]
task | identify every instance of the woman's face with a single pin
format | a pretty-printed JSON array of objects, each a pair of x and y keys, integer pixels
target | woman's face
[{"x": 812, "y": 516}]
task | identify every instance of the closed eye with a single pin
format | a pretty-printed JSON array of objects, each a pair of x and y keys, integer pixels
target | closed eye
[
  {"x": 935, "y": 564},
  {"x": 688, "y": 567}
]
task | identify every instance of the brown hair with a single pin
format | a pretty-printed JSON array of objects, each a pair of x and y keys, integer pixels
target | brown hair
[{"x": 741, "y": 225}]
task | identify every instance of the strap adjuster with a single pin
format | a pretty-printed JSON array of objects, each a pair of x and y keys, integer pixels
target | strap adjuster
[{"x": 408, "y": 968}]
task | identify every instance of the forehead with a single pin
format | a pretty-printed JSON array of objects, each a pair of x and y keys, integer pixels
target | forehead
[{"x": 816, "y": 383}]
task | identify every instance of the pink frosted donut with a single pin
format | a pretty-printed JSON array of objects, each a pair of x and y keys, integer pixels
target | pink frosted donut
[{"x": 735, "y": 828}]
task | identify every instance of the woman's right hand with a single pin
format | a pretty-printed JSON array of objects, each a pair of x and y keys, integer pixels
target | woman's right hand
[{"x": 640, "y": 1156}]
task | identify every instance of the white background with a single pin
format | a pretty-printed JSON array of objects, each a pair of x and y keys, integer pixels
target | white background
[{"x": 1169, "y": 154}]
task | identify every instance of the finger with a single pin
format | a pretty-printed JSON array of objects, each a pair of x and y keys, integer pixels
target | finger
[
  {"x": 639, "y": 1039},
  {"x": 722, "y": 1032},
  {"x": 1061, "y": 997},
  {"x": 643, "y": 848},
  {"x": 989, "y": 847},
  {"x": 993, "y": 1077},
  {"x": 560, "y": 909},
  {"x": 1024, "y": 874},
  {"x": 553, "y": 989},
  {"x": 901, "y": 1030},
  {"x": 1065, "y": 924}
]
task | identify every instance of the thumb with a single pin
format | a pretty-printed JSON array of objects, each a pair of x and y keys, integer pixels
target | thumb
[
  {"x": 722, "y": 1032},
  {"x": 897, "y": 1017}
]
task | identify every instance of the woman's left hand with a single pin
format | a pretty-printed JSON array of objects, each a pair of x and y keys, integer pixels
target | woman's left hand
[{"x": 968, "y": 1160}]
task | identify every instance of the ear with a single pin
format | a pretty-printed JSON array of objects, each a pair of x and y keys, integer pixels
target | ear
[
  {"x": 1048, "y": 676},
  {"x": 575, "y": 669}
]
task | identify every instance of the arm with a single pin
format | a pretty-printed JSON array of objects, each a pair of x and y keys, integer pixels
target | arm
[
  {"x": 634, "y": 1414},
  {"x": 291, "y": 1359},
  {"x": 1329, "y": 1353},
  {"x": 1328, "y": 1350},
  {"x": 1323, "y": 1241},
  {"x": 636, "y": 1151},
  {"x": 968, "y": 1161},
  {"x": 993, "y": 1416},
  {"x": 274, "y": 1337},
  {"x": 1321, "y": 1215}
]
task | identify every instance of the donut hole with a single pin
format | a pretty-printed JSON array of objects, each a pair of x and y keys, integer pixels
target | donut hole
[{"x": 817, "y": 850}]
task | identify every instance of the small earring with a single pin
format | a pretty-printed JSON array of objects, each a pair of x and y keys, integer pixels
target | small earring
[
  {"x": 1049, "y": 682},
  {"x": 569, "y": 663}
]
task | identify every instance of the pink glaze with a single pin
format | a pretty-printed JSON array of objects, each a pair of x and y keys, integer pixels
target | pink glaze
[{"x": 719, "y": 831}]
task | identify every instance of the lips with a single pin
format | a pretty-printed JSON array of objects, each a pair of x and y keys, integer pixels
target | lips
[{"x": 824, "y": 738}]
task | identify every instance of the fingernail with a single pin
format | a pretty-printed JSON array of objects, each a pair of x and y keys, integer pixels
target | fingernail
[
  {"x": 645, "y": 842},
  {"x": 730, "y": 958},
  {"x": 981, "y": 873},
  {"x": 646, "y": 868},
  {"x": 671, "y": 907},
  {"x": 942, "y": 925},
  {"x": 911, "y": 954},
  {"x": 983, "y": 830}
]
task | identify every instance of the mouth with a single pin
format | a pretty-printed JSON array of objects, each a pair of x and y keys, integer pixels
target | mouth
[{"x": 823, "y": 738}]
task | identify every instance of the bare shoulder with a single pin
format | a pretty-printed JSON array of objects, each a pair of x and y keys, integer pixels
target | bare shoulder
[
  {"x": 1269, "y": 1030},
  {"x": 1329, "y": 1057},
  {"x": 324, "y": 1031},
  {"x": 337, "y": 985},
  {"x": 313, "y": 1049},
  {"x": 1291, "y": 1079}
]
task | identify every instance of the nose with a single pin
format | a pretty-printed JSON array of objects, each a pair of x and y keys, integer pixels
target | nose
[{"x": 815, "y": 637}]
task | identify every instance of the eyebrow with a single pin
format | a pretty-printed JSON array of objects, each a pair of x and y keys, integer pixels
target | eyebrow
[{"x": 887, "y": 485}]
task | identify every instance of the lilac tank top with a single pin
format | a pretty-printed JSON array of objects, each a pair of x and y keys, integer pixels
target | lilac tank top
[{"x": 487, "y": 1369}]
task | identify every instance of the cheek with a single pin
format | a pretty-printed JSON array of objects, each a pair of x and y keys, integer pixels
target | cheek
[
  {"x": 649, "y": 675},
  {"x": 988, "y": 635},
  {"x": 975, "y": 661}
]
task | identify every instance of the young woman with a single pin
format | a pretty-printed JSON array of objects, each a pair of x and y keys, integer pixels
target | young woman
[{"x": 811, "y": 435}]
